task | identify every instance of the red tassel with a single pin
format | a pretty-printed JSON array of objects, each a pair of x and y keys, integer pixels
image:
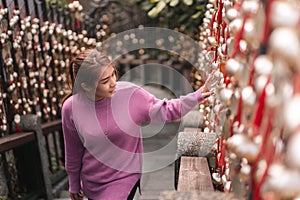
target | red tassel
[
  {"x": 239, "y": 112},
  {"x": 221, "y": 160},
  {"x": 252, "y": 71},
  {"x": 18, "y": 128},
  {"x": 266, "y": 31},
  {"x": 224, "y": 25},
  {"x": 260, "y": 108},
  {"x": 219, "y": 17},
  {"x": 238, "y": 37},
  {"x": 297, "y": 83},
  {"x": 211, "y": 25},
  {"x": 269, "y": 155}
]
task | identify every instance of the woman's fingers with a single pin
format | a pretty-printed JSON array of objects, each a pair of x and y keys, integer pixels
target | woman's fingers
[
  {"x": 206, "y": 94},
  {"x": 76, "y": 196},
  {"x": 214, "y": 79},
  {"x": 81, "y": 194},
  {"x": 73, "y": 196}
]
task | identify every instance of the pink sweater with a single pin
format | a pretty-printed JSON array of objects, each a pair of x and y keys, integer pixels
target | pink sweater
[{"x": 103, "y": 145}]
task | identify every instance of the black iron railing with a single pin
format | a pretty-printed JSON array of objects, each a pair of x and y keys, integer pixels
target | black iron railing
[{"x": 37, "y": 41}]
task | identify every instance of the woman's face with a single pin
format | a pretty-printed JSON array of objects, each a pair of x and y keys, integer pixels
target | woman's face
[{"x": 107, "y": 83}]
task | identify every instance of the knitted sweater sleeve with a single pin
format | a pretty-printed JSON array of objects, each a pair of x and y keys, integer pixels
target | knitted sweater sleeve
[
  {"x": 73, "y": 147},
  {"x": 148, "y": 108}
]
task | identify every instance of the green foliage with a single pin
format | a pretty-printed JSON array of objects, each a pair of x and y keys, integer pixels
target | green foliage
[
  {"x": 182, "y": 15},
  {"x": 61, "y": 1}
]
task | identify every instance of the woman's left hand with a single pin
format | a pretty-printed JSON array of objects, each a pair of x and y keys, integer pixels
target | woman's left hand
[{"x": 77, "y": 196}]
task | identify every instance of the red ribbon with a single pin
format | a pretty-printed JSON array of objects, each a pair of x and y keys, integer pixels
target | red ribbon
[
  {"x": 260, "y": 107},
  {"x": 18, "y": 128}
]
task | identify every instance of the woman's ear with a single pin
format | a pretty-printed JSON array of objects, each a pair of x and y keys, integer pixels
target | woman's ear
[{"x": 85, "y": 87}]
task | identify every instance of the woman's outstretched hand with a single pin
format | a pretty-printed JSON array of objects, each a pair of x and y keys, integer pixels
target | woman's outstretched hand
[{"x": 213, "y": 79}]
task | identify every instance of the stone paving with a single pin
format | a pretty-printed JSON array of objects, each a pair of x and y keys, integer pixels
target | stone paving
[{"x": 161, "y": 166}]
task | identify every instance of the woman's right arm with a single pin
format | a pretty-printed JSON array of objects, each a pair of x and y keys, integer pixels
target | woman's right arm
[{"x": 74, "y": 148}]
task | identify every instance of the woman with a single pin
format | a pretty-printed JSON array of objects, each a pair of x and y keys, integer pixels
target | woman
[{"x": 102, "y": 127}]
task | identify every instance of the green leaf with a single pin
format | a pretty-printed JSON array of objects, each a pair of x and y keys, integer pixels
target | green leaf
[
  {"x": 196, "y": 15},
  {"x": 161, "y": 5},
  {"x": 154, "y": 1},
  {"x": 190, "y": 29},
  {"x": 188, "y": 2},
  {"x": 146, "y": 5},
  {"x": 174, "y": 3},
  {"x": 183, "y": 17},
  {"x": 157, "y": 9},
  {"x": 170, "y": 14},
  {"x": 199, "y": 7}
]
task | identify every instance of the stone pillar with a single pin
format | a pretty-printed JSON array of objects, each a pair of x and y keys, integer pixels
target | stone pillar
[
  {"x": 3, "y": 186},
  {"x": 33, "y": 158}
]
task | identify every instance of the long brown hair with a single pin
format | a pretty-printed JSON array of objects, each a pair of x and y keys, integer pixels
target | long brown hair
[{"x": 89, "y": 64}]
